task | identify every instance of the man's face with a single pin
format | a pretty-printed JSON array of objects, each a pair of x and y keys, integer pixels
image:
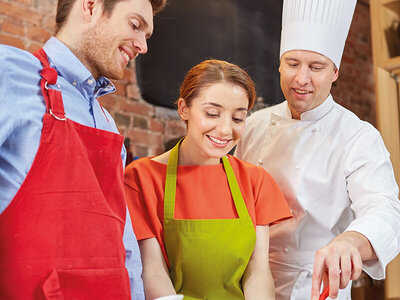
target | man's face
[
  {"x": 113, "y": 40},
  {"x": 306, "y": 79}
]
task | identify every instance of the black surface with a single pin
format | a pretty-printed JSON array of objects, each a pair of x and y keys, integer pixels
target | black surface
[{"x": 245, "y": 32}]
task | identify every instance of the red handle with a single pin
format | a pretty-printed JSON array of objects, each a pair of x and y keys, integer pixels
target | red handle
[{"x": 325, "y": 293}]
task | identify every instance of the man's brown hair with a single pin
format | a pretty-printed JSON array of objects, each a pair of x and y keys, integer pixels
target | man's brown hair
[{"x": 64, "y": 8}]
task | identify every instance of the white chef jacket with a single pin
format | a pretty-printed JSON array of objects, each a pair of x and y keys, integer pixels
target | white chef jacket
[{"x": 336, "y": 175}]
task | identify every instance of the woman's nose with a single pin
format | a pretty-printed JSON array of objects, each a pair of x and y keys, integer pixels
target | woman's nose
[{"x": 225, "y": 126}]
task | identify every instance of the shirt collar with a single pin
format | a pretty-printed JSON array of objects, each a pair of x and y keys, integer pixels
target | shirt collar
[
  {"x": 315, "y": 113},
  {"x": 72, "y": 69}
]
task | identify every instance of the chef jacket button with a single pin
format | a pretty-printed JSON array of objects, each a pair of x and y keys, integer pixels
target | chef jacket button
[
  {"x": 74, "y": 83},
  {"x": 260, "y": 162},
  {"x": 315, "y": 130},
  {"x": 286, "y": 250},
  {"x": 90, "y": 81},
  {"x": 273, "y": 123},
  {"x": 297, "y": 167}
]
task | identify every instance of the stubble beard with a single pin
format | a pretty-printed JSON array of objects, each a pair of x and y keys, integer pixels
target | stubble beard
[{"x": 97, "y": 52}]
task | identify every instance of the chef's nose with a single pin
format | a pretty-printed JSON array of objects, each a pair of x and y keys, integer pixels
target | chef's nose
[{"x": 303, "y": 75}]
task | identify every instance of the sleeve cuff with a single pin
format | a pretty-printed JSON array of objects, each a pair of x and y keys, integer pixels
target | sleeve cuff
[{"x": 383, "y": 240}]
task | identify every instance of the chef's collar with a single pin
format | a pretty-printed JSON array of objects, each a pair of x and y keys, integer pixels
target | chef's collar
[
  {"x": 315, "y": 113},
  {"x": 72, "y": 69}
]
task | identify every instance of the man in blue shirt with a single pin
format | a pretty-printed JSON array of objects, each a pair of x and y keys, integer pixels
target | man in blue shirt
[{"x": 52, "y": 193}]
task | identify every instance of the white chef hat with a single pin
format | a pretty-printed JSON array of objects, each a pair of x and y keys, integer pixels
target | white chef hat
[{"x": 316, "y": 25}]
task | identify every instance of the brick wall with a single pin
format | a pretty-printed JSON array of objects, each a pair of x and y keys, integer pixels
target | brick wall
[
  {"x": 354, "y": 88},
  {"x": 27, "y": 24}
]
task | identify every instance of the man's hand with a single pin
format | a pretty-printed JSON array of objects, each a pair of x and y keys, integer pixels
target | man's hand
[{"x": 339, "y": 262}]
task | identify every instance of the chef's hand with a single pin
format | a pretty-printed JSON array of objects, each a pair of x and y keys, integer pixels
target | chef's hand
[{"x": 339, "y": 262}]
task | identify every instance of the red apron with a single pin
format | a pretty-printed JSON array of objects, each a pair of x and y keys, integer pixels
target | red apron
[{"x": 61, "y": 236}]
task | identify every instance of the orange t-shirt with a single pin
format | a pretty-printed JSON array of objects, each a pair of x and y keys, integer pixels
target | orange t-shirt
[{"x": 202, "y": 192}]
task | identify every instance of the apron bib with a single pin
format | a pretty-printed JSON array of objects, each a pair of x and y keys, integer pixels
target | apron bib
[
  {"x": 208, "y": 256},
  {"x": 61, "y": 235}
]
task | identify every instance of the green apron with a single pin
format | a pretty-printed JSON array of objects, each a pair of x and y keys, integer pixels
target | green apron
[{"x": 208, "y": 256}]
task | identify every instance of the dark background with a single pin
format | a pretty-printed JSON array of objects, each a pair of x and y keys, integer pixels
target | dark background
[{"x": 244, "y": 32}]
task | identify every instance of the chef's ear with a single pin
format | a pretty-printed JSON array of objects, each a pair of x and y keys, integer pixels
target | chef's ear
[
  {"x": 336, "y": 74},
  {"x": 183, "y": 109}
]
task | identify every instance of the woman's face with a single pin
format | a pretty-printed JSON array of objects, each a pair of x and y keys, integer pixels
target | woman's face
[{"x": 216, "y": 120}]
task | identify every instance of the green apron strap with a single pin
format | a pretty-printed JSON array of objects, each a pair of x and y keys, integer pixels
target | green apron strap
[
  {"x": 235, "y": 190},
  {"x": 170, "y": 183}
]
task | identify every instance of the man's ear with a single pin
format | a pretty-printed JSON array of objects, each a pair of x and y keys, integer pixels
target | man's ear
[
  {"x": 90, "y": 8},
  {"x": 336, "y": 74},
  {"x": 183, "y": 109}
]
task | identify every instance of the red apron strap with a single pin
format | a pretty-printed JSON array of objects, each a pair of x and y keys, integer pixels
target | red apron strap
[{"x": 53, "y": 98}]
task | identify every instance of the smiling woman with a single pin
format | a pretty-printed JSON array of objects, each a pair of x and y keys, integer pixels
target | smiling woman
[
  {"x": 201, "y": 216},
  {"x": 223, "y": 94}
]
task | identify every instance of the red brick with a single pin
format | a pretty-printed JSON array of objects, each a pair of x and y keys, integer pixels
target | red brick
[
  {"x": 133, "y": 92},
  {"x": 122, "y": 120},
  {"x": 121, "y": 130},
  {"x": 12, "y": 41},
  {"x": 129, "y": 75},
  {"x": 28, "y": 2},
  {"x": 120, "y": 88},
  {"x": 156, "y": 125},
  {"x": 141, "y": 122},
  {"x": 140, "y": 151},
  {"x": 38, "y": 34},
  {"x": 13, "y": 27},
  {"x": 144, "y": 137},
  {"x": 157, "y": 150},
  {"x": 45, "y": 5},
  {"x": 49, "y": 22},
  {"x": 109, "y": 102},
  {"x": 175, "y": 128},
  {"x": 20, "y": 13},
  {"x": 137, "y": 107},
  {"x": 34, "y": 46}
]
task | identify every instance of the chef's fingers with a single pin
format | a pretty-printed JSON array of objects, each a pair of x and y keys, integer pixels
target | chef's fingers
[
  {"x": 346, "y": 269},
  {"x": 325, "y": 279},
  {"x": 324, "y": 294},
  {"x": 333, "y": 260},
  {"x": 318, "y": 273},
  {"x": 356, "y": 266}
]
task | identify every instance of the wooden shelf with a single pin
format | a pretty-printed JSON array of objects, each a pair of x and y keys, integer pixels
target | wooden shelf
[
  {"x": 385, "y": 16},
  {"x": 393, "y": 5},
  {"x": 392, "y": 64}
]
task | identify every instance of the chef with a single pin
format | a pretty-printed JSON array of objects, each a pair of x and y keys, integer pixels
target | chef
[
  {"x": 62, "y": 202},
  {"x": 332, "y": 167}
]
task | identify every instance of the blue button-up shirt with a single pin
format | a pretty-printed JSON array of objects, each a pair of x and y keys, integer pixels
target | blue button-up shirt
[{"x": 21, "y": 111}]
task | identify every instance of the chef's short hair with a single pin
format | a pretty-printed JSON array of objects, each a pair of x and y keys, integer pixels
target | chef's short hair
[
  {"x": 64, "y": 8},
  {"x": 213, "y": 71}
]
